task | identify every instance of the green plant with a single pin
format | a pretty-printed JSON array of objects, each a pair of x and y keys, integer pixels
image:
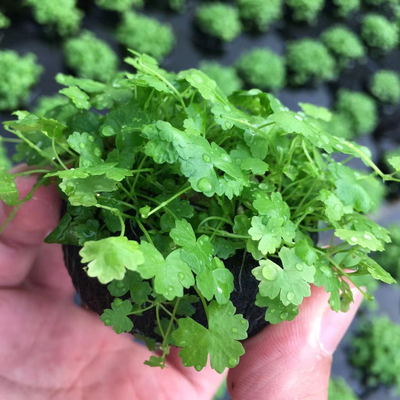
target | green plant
[
  {"x": 339, "y": 125},
  {"x": 63, "y": 14},
  {"x": 359, "y": 108},
  {"x": 308, "y": 60},
  {"x": 306, "y": 10},
  {"x": 381, "y": 2},
  {"x": 391, "y": 257},
  {"x": 4, "y": 21},
  {"x": 177, "y": 5},
  {"x": 225, "y": 77},
  {"x": 378, "y": 31},
  {"x": 49, "y": 103},
  {"x": 5, "y": 163},
  {"x": 173, "y": 179},
  {"x": 259, "y": 13},
  {"x": 146, "y": 35},
  {"x": 119, "y": 5},
  {"x": 90, "y": 57},
  {"x": 385, "y": 86},
  {"x": 346, "y": 7},
  {"x": 375, "y": 352},
  {"x": 344, "y": 44},
  {"x": 340, "y": 390},
  {"x": 219, "y": 20},
  {"x": 263, "y": 69},
  {"x": 17, "y": 75}
]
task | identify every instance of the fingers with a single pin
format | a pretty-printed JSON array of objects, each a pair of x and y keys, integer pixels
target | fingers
[
  {"x": 292, "y": 360},
  {"x": 21, "y": 239}
]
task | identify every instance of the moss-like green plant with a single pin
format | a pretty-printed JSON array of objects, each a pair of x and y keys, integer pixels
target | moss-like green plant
[
  {"x": 305, "y": 10},
  {"x": 390, "y": 258},
  {"x": 340, "y": 125},
  {"x": 226, "y": 77},
  {"x": 263, "y": 69},
  {"x": 360, "y": 109},
  {"x": 17, "y": 75},
  {"x": 344, "y": 44},
  {"x": 177, "y": 5},
  {"x": 63, "y": 14},
  {"x": 385, "y": 86},
  {"x": 378, "y": 31},
  {"x": 119, "y": 5},
  {"x": 90, "y": 57},
  {"x": 4, "y": 21},
  {"x": 340, "y": 390},
  {"x": 146, "y": 35},
  {"x": 346, "y": 7},
  {"x": 375, "y": 352},
  {"x": 219, "y": 20},
  {"x": 309, "y": 59},
  {"x": 260, "y": 13},
  {"x": 48, "y": 103}
]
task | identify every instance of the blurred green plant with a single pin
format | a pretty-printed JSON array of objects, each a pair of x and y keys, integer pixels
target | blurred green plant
[
  {"x": 146, "y": 35},
  {"x": 346, "y": 7},
  {"x": 177, "y": 5},
  {"x": 64, "y": 15},
  {"x": 262, "y": 69},
  {"x": 378, "y": 31},
  {"x": 260, "y": 13},
  {"x": 48, "y": 103},
  {"x": 385, "y": 86},
  {"x": 90, "y": 57},
  {"x": 119, "y": 5},
  {"x": 4, "y": 21},
  {"x": 340, "y": 125},
  {"x": 219, "y": 20},
  {"x": 340, "y": 390},
  {"x": 306, "y": 10},
  {"x": 375, "y": 352},
  {"x": 344, "y": 44},
  {"x": 226, "y": 77},
  {"x": 17, "y": 75},
  {"x": 359, "y": 108},
  {"x": 309, "y": 60}
]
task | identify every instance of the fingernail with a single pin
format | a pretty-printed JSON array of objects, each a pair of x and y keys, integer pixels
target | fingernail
[{"x": 335, "y": 324}]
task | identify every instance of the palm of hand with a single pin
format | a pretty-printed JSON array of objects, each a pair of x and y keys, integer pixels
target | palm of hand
[{"x": 52, "y": 349}]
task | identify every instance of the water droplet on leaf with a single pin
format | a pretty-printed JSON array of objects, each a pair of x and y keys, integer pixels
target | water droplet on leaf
[
  {"x": 198, "y": 367},
  {"x": 205, "y": 185},
  {"x": 228, "y": 125},
  {"x": 284, "y": 315},
  {"x": 118, "y": 302},
  {"x": 269, "y": 274},
  {"x": 233, "y": 361},
  {"x": 234, "y": 330},
  {"x": 206, "y": 158},
  {"x": 181, "y": 276},
  {"x": 227, "y": 108},
  {"x": 290, "y": 296},
  {"x": 299, "y": 267},
  {"x": 120, "y": 285}
]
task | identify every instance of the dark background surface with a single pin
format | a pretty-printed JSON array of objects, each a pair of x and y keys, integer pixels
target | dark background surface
[{"x": 25, "y": 35}]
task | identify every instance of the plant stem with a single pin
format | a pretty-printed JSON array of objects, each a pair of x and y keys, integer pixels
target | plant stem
[{"x": 164, "y": 203}]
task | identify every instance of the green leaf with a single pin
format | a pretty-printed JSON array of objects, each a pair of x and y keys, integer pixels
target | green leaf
[
  {"x": 197, "y": 253},
  {"x": 170, "y": 275},
  {"x": 220, "y": 341},
  {"x": 316, "y": 112},
  {"x": 155, "y": 361},
  {"x": 327, "y": 277},
  {"x": 291, "y": 283},
  {"x": 364, "y": 239},
  {"x": 271, "y": 205},
  {"x": 117, "y": 316},
  {"x": 335, "y": 209},
  {"x": 376, "y": 271},
  {"x": 8, "y": 189},
  {"x": 78, "y": 97},
  {"x": 87, "y": 85},
  {"x": 216, "y": 281},
  {"x": 223, "y": 248},
  {"x": 88, "y": 148},
  {"x": 394, "y": 162},
  {"x": 180, "y": 209},
  {"x": 110, "y": 258},
  {"x": 277, "y": 311}
]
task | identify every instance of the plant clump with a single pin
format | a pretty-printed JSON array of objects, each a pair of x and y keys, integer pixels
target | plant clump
[
  {"x": 260, "y": 13},
  {"x": 360, "y": 108},
  {"x": 306, "y": 10},
  {"x": 49, "y": 103},
  {"x": 340, "y": 125},
  {"x": 379, "y": 32},
  {"x": 226, "y": 77},
  {"x": 119, "y": 5},
  {"x": 262, "y": 69},
  {"x": 219, "y": 20},
  {"x": 146, "y": 35},
  {"x": 17, "y": 76},
  {"x": 4, "y": 21},
  {"x": 391, "y": 257},
  {"x": 385, "y": 86},
  {"x": 90, "y": 57},
  {"x": 375, "y": 352},
  {"x": 344, "y": 44},
  {"x": 340, "y": 390},
  {"x": 173, "y": 191},
  {"x": 309, "y": 60},
  {"x": 64, "y": 15},
  {"x": 177, "y": 5},
  {"x": 346, "y": 7}
]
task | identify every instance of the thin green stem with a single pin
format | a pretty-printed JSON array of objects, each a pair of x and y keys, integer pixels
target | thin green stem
[
  {"x": 164, "y": 203},
  {"x": 216, "y": 219},
  {"x": 138, "y": 173},
  {"x": 143, "y": 229},
  {"x": 53, "y": 145},
  {"x": 10, "y": 140},
  {"x": 138, "y": 312}
]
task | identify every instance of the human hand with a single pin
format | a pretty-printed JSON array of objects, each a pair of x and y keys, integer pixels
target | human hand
[{"x": 52, "y": 349}]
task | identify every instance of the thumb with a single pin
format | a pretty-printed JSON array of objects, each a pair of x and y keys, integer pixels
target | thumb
[{"x": 293, "y": 360}]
